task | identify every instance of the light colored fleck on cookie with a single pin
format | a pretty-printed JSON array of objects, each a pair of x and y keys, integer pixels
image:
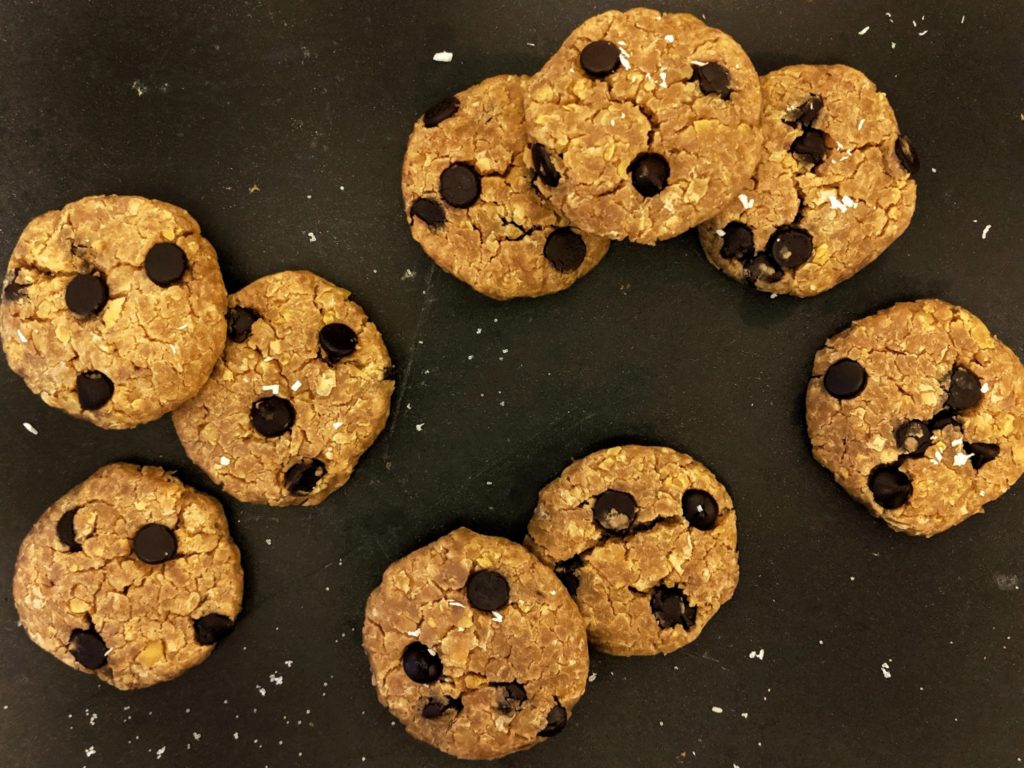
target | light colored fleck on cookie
[
  {"x": 624, "y": 56},
  {"x": 717, "y": 710},
  {"x": 670, "y": 38},
  {"x": 747, "y": 202},
  {"x": 698, "y": 63},
  {"x": 262, "y": 690},
  {"x": 885, "y": 670},
  {"x": 893, "y": 43},
  {"x": 497, "y": 616},
  {"x": 197, "y": 735},
  {"x": 224, "y": 461},
  {"x": 984, "y": 232},
  {"x": 271, "y": 388},
  {"x": 842, "y": 204},
  {"x": 985, "y": 388},
  {"x": 21, "y": 337},
  {"x": 296, "y": 385},
  {"x": 456, "y": 604},
  {"x": 161, "y": 750},
  {"x": 336, "y": 425},
  {"x": 414, "y": 633},
  {"x": 864, "y": 31},
  {"x": 29, "y": 428},
  {"x": 277, "y": 679},
  {"x": 923, "y": 33},
  {"x": 720, "y": 232},
  {"x": 961, "y": 458},
  {"x": 860, "y": 124},
  {"x": 445, "y": 56}
]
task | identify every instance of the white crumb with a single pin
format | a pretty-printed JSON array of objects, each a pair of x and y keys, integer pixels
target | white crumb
[
  {"x": 311, "y": 236},
  {"x": 445, "y": 56},
  {"x": 720, "y": 232},
  {"x": 624, "y": 56},
  {"x": 922, "y": 34},
  {"x": 961, "y": 458},
  {"x": 296, "y": 385},
  {"x": 29, "y": 428},
  {"x": 456, "y": 604},
  {"x": 747, "y": 202},
  {"x": 419, "y": 427},
  {"x": 698, "y": 63},
  {"x": 497, "y": 616},
  {"x": 224, "y": 461},
  {"x": 670, "y": 38},
  {"x": 196, "y": 735},
  {"x": 271, "y": 388},
  {"x": 592, "y": 678},
  {"x": 864, "y": 31},
  {"x": 717, "y": 710},
  {"x": 984, "y": 232},
  {"x": 759, "y": 655},
  {"x": 408, "y": 274},
  {"x": 885, "y": 670},
  {"x": 21, "y": 337},
  {"x": 860, "y": 124}
]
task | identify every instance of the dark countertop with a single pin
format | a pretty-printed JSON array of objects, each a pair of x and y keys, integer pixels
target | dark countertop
[{"x": 270, "y": 121}]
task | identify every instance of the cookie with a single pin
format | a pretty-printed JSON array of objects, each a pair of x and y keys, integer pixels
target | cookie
[
  {"x": 113, "y": 309},
  {"x": 834, "y": 187},
  {"x": 643, "y": 124},
  {"x": 131, "y": 576},
  {"x": 475, "y": 647},
  {"x": 918, "y": 412},
  {"x": 301, "y": 392},
  {"x": 644, "y": 538},
  {"x": 471, "y": 203}
]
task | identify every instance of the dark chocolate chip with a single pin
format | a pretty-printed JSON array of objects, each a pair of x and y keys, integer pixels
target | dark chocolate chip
[
  {"x": 670, "y": 607},
  {"x": 391, "y": 373},
  {"x": 66, "y": 531},
  {"x": 460, "y": 185},
  {"x": 737, "y": 242},
  {"x": 337, "y": 341},
  {"x": 890, "y": 487},
  {"x": 806, "y": 113},
  {"x": 907, "y": 155},
  {"x": 964, "y": 389},
  {"x": 981, "y": 453},
  {"x": 166, "y": 264},
  {"x": 600, "y": 58},
  {"x": 88, "y": 648},
  {"x": 700, "y": 509},
  {"x": 615, "y": 511},
  {"x": 86, "y": 295},
  {"x": 441, "y": 111},
  {"x": 487, "y": 591},
  {"x": 790, "y": 247},
  {"x": 154, "y": 543},
  {"x": 14, "y": 291},
  {"x": 240, "y": 323},
  {"x": 762, "y": 269},
  {"x": 434, "y": 708},
  {"x": 94, "y": 390},
  {"x": 845, "y": 379},
  {"x": 565, "y": 249},
  {"x": 557, "y": 718},
  {"x": 302, "y": 477},
  {"x": 212, "y": 628},
  {"x": 510, "y": 695},
  {"x": 543, "y": 166},
  {"x": 272, "y": 416},
  {"x": 944, "y": 418},
  {"x": 421, "y": 664},
  {"x": 812, "y": 145},
  {"x": 913, "y": 437},
  {"x": 713, "y": 78},
  {"x": 566, "y": 571},
  {"x": 428, "y": 211},
  {"x": 650, "y": 173}
]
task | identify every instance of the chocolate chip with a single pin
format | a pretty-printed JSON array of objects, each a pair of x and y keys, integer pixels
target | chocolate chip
[
  {"x": 700, "y": 509},
  {"x": 615, "y": 511},
  {"x": 600, "y": 58},
  {"x": 240, "y": 323},
  {"x": 670, "y": 607},
  {"x": 510, "y": 695},
  {"x": 94, "y": 390},
  {"x": 337, "y": 341},
  {"x": 302, "y": 477},
  {"x": 907, "y": 155},
  {"x": 460, "y": 185},
  {"x": 565, "y": 250},
  {"x": 86, "y": 295},
  {"x": 806, "y": 113},
  {"x": 845, "y": 379},
  {"x": 944, "y": 418},
  {"x": 713, "y": 78},
  {"x": 737, "y": 242},
  {"x": 14, "y": 291},
  {"x": 913, "y": 437},
  {"x": 890, "y": 487},
  {"x": 154, "y": 543},
  {"x": 428, "y": 211},
  {"x": 434, "y": 708},
  {"x": 212, "y": 628},
  {"x": 811, "y": 145},
  {"x": 440, "y": 112},
  {"x": 421, "y": 664},
  {"x": 650, "y": 173},
  {"x": 88, "y": 648},
  {"x": 790, "y": 247},
  {"x": 762, "y": 269},
  {"x": 557, "y": 718},
  {"x": 982, "y": 453},
  {"x": 542, "y": 164},
  {"x": 166, "y": 264},
  {"x": 390, "y": 373},
  {"x": 964, "y": 389},
  {"x": 66, "y": 531},
  {"x": 487, "y": 591},
  {"x": 272, "y": 416},
  {"x": 566, "y": 571}
]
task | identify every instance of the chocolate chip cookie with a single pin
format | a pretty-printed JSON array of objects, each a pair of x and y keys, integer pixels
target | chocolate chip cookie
[
  {"x": 918, "y": 412},
  {"x": 644, "y": 538},
  {"x": 113, "y": 309},
  {"x": 834, "y": 187},
  {"x": 475, "y": 647},
  {"x": 302, "y": 391},
  {"x": 131, "y": 576},
  {"x": 643, "y": 124},
  {"x": 471, "y": 203}
]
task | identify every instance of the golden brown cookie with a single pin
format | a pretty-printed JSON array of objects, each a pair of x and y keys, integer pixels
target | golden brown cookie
[
  {"x": 113, "y": 309},
  {"x": 832, "y": 191},
  {"x": 471, "y": 202},
  {"x": 644, "y": 537},
  {"x": 643, "y": 124},
  {"x": 475, "y": 646},
  {"x": 130, "y": 575},
  {"x": 302, "y": 391},
  {"x": 918, "y": 412}
]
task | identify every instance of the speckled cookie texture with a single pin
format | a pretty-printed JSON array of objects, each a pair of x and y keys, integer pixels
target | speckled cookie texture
[
  {"x": 644, "y": 537},
  {"x": 471, "y": 202},
  {"x": 113, "y": 309},
  {"x": 131, "y": 576},
  {"x": 475, "y": 646},
  {"x": 918, "y": 411},
  {"x": 643, "y": 124},
  {"x": 302, "y": 391},
  {"x": 833, "y": 189}
]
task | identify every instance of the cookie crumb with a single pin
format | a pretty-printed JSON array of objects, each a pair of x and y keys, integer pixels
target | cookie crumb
[
  {"x": 984, "y": 232},
  {"x": 885, "y": 670},
  {"x": 444, "y": 56},
  {"x": 29, "y": 428},
  {"x": 717, "y": 710},
  {"x": 311, "y": 236},
  {"x": 864, "y": 31}
]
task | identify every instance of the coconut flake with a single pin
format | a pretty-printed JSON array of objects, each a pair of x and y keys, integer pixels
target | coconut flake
[
  {"x": 29, "y": 428},
  {"x": 747, "y": 202},
  {"x": 864, "y": 31},
  {"x": 444, "y": 56}
]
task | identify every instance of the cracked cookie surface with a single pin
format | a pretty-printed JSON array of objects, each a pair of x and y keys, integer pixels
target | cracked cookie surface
[
  {"x": 471, "y": 203},
  {"x": 918, "y": 412},
  {"x": 644, "y": 537},
  {"x": 832, "y": 191},
  {"x": 113, "y": 309},
  {"x": 646, "y": 124},
  {"x": 131, "y": 575},
  {"x": 475, "y": 646},
  {"x": 302, "y": 391}
]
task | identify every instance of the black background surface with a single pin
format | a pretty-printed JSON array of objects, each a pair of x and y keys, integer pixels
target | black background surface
[{"x": 270, "y": 121}]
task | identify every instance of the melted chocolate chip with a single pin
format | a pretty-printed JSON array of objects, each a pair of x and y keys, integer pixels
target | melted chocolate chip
[
  {"x": 86, "y": 295},
  {"x": 566, "y": 571},
  {"x": 845, "y": 379},
  {"x": 790, "y": 247},
  {"x": 890, "y": 487},
  {"x": 302, "y": 477},
  {"x": 337, "y": 341},
  {"x": 510, "y": 696},
  {"x": 428, "y": 211},
  {"x": 543, "y": 166},
  {"x": 812, "y": 145},
  {"x": 460, "y": 185},
  {"x": 390, "y": 373},
  {"x": 66, "y": 531},
  {"x": 762, "y": 269},
  {"x": 964, "y": 389},
  {"x": 944, "y": 418},
  {"x": 600, "y": 58},
  {"x": 700, "y": 509},
  {"x": 649, "y": 172},
  {"x": 421, "y": 664},
  {"x": 440, "y": 112},
  {"x": 981, "y": 453},
  {"x": 154, "y": 543},
  {"x": 565, "y": 250},
  {"x": 806, "y": 113},
  {"x": 913, "y": 437},
  {"x": 487, "y": 591},
  {"x": 88, "y": 648},
  {"x": 671, "y": 608},
  {"x": 434, "y": 708},
  {"x": 240, "y": 323},
  {"x": 166, "y": 264},
  {"x": 14, "y": 291},
  {"x": 907, "y": 155},
  {"x": 737, "y": 242},
  {"x": 557, "y": 718},
  {"x": 713, "y": 78},
  {"x": 272, "y": 416},
  {"x": 614, "y": 511},
  {"x": 212, "y": 628},
  {"x": 94, "y": 390}
]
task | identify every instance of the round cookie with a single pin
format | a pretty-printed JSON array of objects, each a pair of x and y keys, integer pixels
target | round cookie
[
  {"x": 832, "y": 191},
  {"x": 471, "y": 202},
  {"x": 475, "y": 647},
  {"x": 131, "y": 575},
  {"x": 301, "y": 392},
  {"x": 113, "y": 309},
  {"x": 918, "y": 412},
  {"x": 644, "y": 537},
  {"x": 643, "y": 124}
]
